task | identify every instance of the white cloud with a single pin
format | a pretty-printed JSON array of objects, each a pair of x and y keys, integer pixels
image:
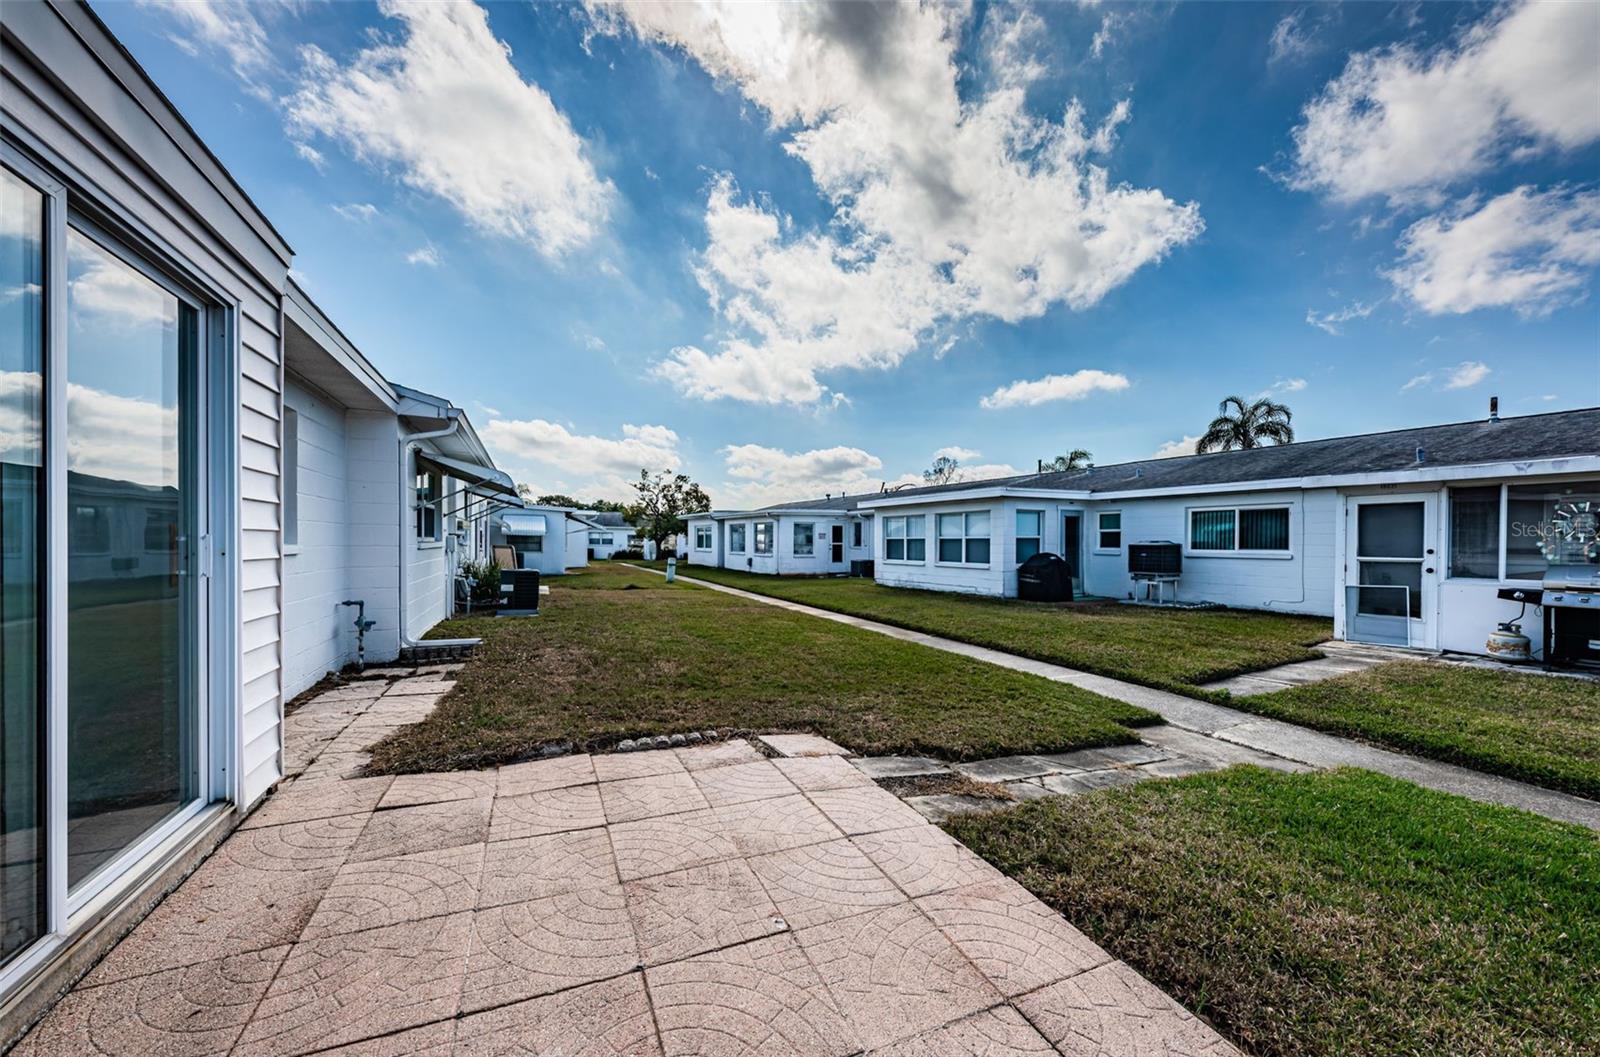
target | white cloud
[
  {"x": 1407, "y": 124},
  {"x": 1172, "y": 449},
  {"x": 1463, "y": 375},
  {"x": 1333, "y": 321},
  {"x": 1291, "y": 39},
  {"x": 115, "y": 294},
  {"x": 552, "y": 458},
  {"x": 426, "y": 256},
  {"x": 357, "y": 211},
  {"x": 1285, "y": 385},
  {"x": 1110, "y": 24},
  {"x": 959, "y": 454},
  {"x": 446, "y": 111},
  {"x": 1074, "y": 386},
  {"x": 116, "y": 437},
  {"x": 760, "y": 476},
  {"x": 311, "y": 155},
  {"x": 232, "y": 28},
  {"x": 1011, "y": 41},
  {"x": 1526, "y": 250},
  {"x": 945, "y": 208}
]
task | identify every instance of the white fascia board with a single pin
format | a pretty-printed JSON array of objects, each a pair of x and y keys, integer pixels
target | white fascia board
[
  {"x": 969, "y": 494},
  {"x": 299, "y": 307},
  {"x": 763, "y": 515}
]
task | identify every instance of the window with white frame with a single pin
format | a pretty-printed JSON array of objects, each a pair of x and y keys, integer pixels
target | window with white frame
[
  {"x": 430, "y": 489},
  {"x": 764, "y": 533},
  {"x": 291, "y": 477},
  {"x": 964, "y": 538},
  {"x": 855, "y": 534},
  {"x": 1545, "y": 524},
  {"x": 702, "y": 537},
  {"x": 905, "y": 539},
  {"x": 1108, "y": 530},
  {"x": 736, "y": 539},
  {"x": 805, "y": 539},
  {"x": 1030, "y": 533},
  {"x": 1249, "y": 530}
]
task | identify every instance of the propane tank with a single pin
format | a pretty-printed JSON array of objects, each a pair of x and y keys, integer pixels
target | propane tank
[{"x": 1508, "y": 643}]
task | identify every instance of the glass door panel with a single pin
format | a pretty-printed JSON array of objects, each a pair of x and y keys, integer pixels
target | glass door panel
[
  {"x": 132, "y": 720},
  {"x": 22, "y": 725},
  {"x": 1391, "y": 531}
]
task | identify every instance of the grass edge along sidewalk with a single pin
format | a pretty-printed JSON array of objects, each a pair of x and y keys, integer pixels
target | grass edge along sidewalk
[
  {"x": 1335, "y": 912},
  {"x": 1166, "y": 649},
  {"x": 643, "y": 657}
]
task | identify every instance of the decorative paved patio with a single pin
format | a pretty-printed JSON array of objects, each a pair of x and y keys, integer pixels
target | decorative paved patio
[{"x": 704, "y": 900}]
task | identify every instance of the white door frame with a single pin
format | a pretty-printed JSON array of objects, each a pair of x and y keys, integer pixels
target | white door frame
[{"x": 1424, "y": 632}]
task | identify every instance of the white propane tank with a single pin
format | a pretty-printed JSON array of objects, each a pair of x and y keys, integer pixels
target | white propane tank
[{"x": 1508, "y": 643}]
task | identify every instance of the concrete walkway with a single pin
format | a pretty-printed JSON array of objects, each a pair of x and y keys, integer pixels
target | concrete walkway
[
  {"x": 697, "y": 901},
  {"x": 1339, "y": 658},
  {"x": 1285, "y": 740}
]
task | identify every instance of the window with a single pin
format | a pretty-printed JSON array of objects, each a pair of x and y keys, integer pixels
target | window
[
  {"x": 702, "y": 537},
  {"x": 1475, "y": 533},
  {"x": 1254, "y": 530},
  {"x": 855, "y": 534},
  {"x": 91, "y": 530},
  {"x": 736, "y": 539},
  {"x": 1030, "y": 533},
  {"x": 964, "y": 538},
  {"x": 905, "y": 539},
  {"x": 291, "y": 477},
  {"x": 608, "y": 541},
  {"x": 160, "y": 529},
  {"x": 764, "y": 532},
  {"x": 430, "y": 488},
  {"x": 1109, "y": 537},
  {"x": 805, "y": 539},
  {"x": 1551, "y": 524}
]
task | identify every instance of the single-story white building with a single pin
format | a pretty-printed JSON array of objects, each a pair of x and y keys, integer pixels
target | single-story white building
[
  {"x": 1404, "y": 537},
  {"x": 551, "y": 539},
  {"x": 831, "y": 536},
  {"x": 196, "y": 472},
  {"x": 372, "y": 470},
  {"x": 610, "y": 533}
]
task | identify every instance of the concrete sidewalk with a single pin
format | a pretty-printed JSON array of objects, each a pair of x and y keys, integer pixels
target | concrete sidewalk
[
  {"x": 1285, "y": 740},
  {"x": 697, "y": 901}
]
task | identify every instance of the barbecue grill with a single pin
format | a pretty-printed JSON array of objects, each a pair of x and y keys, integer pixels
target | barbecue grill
[{"x": 1571, "y": 600}]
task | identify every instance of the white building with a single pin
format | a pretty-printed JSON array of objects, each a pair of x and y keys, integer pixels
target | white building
[
  {"x": 1405, "y": 536},
  {"x": 819, "y": 537},
  {"x": 610, "y": 533},
  {"x": 197, "y": 470},
  {"x": 551, "y": 539},
  {"x": 372, "y": 470}
]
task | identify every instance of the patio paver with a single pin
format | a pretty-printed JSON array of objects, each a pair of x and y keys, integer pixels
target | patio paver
[{"x": 785, "y": 906}]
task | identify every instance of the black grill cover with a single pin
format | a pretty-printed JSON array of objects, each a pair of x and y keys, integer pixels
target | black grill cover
[{"x": 1045, "y": 578}]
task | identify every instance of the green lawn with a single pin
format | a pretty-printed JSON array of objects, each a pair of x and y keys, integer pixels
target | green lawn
[
  {"x": 1333, "y": 913},
  {"x": 1167, "y": 649},
  {"x": 620, "y": 653},
  {"x": 1541, "y": 729}
]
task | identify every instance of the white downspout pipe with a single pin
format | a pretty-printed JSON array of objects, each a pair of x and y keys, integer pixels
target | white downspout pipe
[{"x": 408, "y": 442}]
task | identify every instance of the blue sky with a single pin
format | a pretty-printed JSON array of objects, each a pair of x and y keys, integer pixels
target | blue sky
[{"x": 793, "y": 250}]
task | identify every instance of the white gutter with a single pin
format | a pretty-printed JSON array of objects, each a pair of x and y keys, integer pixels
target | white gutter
[{"x": 408, "y": 442}]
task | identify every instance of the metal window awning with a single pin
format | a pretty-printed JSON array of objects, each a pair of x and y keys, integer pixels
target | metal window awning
[
  {"x": 524, "y": 524},
  {"x": 484, "y": 480}
]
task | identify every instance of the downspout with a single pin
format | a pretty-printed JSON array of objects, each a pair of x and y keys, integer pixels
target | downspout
[{"x": 409, "y": 441}]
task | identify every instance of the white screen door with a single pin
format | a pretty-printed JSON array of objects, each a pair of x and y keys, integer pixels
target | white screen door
[{"x": 1391, "y": 570}]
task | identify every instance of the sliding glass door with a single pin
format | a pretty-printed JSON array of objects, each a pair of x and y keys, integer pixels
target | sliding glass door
[{"x": 103, "y": 731}]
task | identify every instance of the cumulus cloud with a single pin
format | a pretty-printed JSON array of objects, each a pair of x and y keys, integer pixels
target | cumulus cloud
[
  {"x": 425, "y": 256},
  {"x": 1463, "y": 375},
  {"x": 232, "y": 28},
  {"x": 1291, "y": 39},
  {"x": 1173, "y": 449},
  {"x": 1332, "y": 322},
  {"x": 552, "y": 458},
  {"x": 1526, "y": 250},
  {"x": 1074, "y": 386},
  {"x": 944, "y": 208},
  {"x": 1406, "y": 124},
  {"x": 958, "y": 453},
  {"x": 120, "y": 438},
  {"x": 443, "y": 108},
  {"x": 757, "y": 475}
]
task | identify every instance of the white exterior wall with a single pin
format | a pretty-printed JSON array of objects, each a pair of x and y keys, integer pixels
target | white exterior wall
[
  {"x": 713, "y": 556},
  {"x": 372, "y": 470},
  {"x": 931, "y": 574},
  {"x": 318, "y": 636},
  {"x": 552, "y": 559},
  {"x": 577, "y": 545},
  {"x": 430, "y": 564}
]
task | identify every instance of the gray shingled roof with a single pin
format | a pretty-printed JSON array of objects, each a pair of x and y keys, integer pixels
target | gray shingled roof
[
  {"x": 609, "y": 519},
  {"x": 1458, "y": 443},
  {"x": 837, "y": 502}
]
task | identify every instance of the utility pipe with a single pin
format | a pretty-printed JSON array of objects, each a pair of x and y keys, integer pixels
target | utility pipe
[{"x": 408, "y": 442}]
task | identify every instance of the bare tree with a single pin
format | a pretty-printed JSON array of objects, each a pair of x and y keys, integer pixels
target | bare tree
[{"x": 945, "y": 470}]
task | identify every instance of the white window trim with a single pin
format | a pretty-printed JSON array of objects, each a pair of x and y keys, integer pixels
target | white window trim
[
  {"x": 744, "y": 542},
  {"x": 1288, "y": 554},
  {"x": 710, "y": 536},
  {"x": 1099, "y": 533},
  {"x": 963, "y": 515},
  {"x": 923, "y": 536},
  {"x": 1018, "y": 537},
  {"x": 435, "y": 541},
  {"x": 755, "y": 539},
  {"x": 794, "y": 540}
]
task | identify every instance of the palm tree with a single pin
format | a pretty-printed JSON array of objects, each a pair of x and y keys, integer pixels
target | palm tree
[
  {"x": 1242, "y": 425},
  {"x": 1076, "y": 459}
]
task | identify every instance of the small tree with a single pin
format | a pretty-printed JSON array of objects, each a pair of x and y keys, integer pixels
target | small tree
[
  {"x": 664, "y": 499},
  {"x": 945, "y": 470},
  {"x": 1076, "y": 459}
]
